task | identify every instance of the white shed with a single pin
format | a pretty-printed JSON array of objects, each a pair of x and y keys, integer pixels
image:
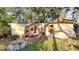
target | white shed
[{"x": 17, "y": 29}]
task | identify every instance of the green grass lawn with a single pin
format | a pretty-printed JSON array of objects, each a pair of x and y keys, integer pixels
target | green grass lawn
[
  {"x": 48, "y": 45},
  {"x": 33, "y": 47}
]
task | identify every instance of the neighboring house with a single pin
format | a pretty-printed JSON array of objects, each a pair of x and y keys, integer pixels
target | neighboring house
[{"x": 67, "y": 14}]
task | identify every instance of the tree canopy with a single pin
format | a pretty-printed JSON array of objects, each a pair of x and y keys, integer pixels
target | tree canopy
[{"x": 12, "y": 14}]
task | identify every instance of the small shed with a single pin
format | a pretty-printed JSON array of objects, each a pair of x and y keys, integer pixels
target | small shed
[{"x": 17, "y": 29}]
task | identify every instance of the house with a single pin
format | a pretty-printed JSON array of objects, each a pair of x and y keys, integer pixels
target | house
[{"x": 62, "y": 29}]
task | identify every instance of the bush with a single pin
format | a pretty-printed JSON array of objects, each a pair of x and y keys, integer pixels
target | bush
[{"x": 4, "y": 28}]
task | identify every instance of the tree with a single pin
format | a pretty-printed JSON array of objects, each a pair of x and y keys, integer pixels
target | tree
[{"x": 5, "y": 18}]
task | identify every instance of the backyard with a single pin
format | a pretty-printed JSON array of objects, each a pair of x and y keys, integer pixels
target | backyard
[{"x": 39, "y": 29}]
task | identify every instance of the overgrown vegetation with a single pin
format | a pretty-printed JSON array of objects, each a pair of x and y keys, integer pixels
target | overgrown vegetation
[
  {"x": 8, "y": 15},
  {"x": 48, "y": 45}
]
